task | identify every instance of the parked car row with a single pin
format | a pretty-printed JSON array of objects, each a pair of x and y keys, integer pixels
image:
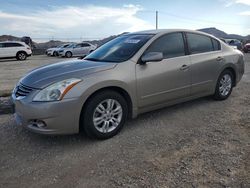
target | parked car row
[
  {"x": 236, "y": 44},
  {"x": 72, "y": 49},
  {"x": 246, "y": 48},
  {"x": 15, "y": 49}
]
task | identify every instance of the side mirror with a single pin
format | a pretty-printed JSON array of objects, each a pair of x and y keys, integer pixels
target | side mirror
[{"x": 151, "y": 56}]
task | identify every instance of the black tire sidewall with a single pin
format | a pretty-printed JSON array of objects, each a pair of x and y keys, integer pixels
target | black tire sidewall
[
  {"x": 217, "y": 94},
  {"x": 87, "y": 115}
]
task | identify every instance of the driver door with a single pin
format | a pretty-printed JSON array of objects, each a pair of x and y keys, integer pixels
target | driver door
[{"x": 166, "y": 80}]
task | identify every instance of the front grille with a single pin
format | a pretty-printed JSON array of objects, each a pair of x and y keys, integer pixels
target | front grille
[{"x": 22, "y": 90}]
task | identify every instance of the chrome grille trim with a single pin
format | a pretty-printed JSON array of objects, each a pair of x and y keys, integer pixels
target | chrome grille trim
[{"x": 22, "y": 90}]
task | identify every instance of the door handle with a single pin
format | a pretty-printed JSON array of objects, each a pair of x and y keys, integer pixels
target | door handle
[
  {"x": 219, "y": 58},
  {"x": 184, "y": 67}
]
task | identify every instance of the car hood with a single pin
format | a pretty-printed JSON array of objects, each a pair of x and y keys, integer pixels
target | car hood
[
  {"x": 46, "y": 75},
  {"x": 52, "y": 49}
]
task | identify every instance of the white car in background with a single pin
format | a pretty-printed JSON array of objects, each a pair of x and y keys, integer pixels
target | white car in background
[
  {"x": 54, "y": 51},
  {"x": 80, "y": 49},
  {"x": 14, "y": 49}
]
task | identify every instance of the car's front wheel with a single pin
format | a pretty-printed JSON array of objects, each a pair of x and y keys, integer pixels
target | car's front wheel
[
  {"x": 104, "y": 114},
  {"x": 68, "y": 54},
  {"x": 21, "y": 56},
  {"x": 224, "y": 85}
]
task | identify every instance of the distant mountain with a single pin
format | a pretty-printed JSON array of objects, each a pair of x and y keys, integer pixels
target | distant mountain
[
  {"x": 9, "y": 38},
  {"x": 221, "y": 34},
  {"x": 53, "y": 43}
]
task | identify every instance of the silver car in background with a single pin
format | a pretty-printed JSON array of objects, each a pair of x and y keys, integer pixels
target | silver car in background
[
  {"x": 54, "y": 51},
  {"x": 80, "y": 49},
  {"x": 132, "y": 74}
]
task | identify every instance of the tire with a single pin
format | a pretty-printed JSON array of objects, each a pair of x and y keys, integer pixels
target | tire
[
  {"x": 224, "y": 85},
  {"x": 55, "y": 53},
  {"x": 21, "y": 56},
  {"x": 97, "y": 122},
  {"x": 68, "y": 54}
]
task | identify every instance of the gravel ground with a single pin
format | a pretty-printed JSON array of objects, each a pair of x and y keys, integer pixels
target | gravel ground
[{"x": 201, "y": 143}]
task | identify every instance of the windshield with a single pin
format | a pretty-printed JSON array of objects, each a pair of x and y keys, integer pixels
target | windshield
[{"x": 119, "y": 49}]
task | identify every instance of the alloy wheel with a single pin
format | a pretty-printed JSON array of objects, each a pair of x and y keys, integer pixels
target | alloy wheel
[{"x": 107, "y": 115}]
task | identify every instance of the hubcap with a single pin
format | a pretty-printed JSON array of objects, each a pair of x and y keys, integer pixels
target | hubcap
[
  {"x": 68, "y": 54},
  {"x": 21, "y": 56},
  {"x": 107, "y": 115},
  {"x": 225, "y": 85}
]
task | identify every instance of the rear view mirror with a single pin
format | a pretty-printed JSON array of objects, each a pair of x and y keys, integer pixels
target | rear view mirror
[{"x": 152, "y": 56}]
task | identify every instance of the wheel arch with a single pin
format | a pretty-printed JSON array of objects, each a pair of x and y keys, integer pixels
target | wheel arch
[
  {"x": 117, "y": 89},
  {"x": 233, "y": 71},
  {"x": 21, "y": 51}
]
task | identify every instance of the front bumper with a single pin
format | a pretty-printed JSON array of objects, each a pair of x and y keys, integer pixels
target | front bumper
[{"x": 59, "y": 117}]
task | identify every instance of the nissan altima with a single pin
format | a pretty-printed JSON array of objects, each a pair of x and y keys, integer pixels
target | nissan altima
[{"x": 132, "y": 74}]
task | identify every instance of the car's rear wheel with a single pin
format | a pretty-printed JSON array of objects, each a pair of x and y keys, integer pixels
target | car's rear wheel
[
  {"x": 224, "y": 85},
  {"x": 21, "y": 56},
  {"x": 104, "y": 114},
  {"x": 68, "y": 54}
]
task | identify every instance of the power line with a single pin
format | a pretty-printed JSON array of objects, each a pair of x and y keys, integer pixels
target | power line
[{"x": 187, "y": 19}]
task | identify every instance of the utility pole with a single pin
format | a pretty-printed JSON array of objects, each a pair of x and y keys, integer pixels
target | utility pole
[{"x": 156, "y": 20}]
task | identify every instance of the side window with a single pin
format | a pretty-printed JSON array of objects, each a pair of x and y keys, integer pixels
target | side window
[
  {"x": 199, "y": 43},
  {"x": 85, "y": 45},
  {"x": 216, "y": 45},
  {"x": 8, "y": 44},
  {"x": 78, "y": 45},
  {"x": 171, "y": 45},
  {"x": 12, "y": 44},
  {"x": 1, "y": 45}
]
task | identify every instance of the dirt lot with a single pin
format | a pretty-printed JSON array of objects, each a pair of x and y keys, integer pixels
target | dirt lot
[
  {"x": 202, "y": 143},
  {"x": 12, "y": 70}
]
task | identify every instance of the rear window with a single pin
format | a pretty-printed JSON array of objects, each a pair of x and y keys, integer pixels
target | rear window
[
  {"x": 216, "y": 45},
  {"x": 199, "y": 43},
  {"x": 85, "y": 45}
]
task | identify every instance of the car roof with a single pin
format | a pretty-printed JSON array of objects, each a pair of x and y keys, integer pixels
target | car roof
[
  {"x": 12, "y": 42},
  {"x": 162, "y": 31}
]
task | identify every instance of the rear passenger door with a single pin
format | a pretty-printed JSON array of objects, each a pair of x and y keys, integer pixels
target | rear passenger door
[
  {"x": 85, "y": 49},
  {"x": 205, "y": 56},
  {"x": 77, "y": 49},
  {"x": 2, "y": 50},
  {"x": 11, "y": 48}
]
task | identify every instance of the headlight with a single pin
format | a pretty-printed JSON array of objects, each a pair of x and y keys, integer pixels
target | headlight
[{"x": 56, "y": 91}]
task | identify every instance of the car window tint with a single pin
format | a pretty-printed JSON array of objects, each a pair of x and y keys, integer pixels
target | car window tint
[
  {"x": 11, "y": 44},
  {"x": 1, "y": 45},
  {"x": 216, "y": 45},
  {"x": 199, "y": 43},
  {"x": 85, "y": 45},
  {"x": 171, "y": 45}
]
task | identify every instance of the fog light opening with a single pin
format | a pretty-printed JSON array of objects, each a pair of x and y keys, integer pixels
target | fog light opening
[{"x": 38, "y": 123}]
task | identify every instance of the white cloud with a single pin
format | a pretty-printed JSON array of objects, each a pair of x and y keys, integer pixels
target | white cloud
[
  {"x": 245, "y": 2},
  {"x": 70, "y": 21},
  {"x": 229, "y": 3},
  {"x": 245, "y": 13}
]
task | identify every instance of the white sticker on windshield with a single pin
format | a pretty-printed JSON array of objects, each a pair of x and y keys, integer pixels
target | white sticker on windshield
[{"x": 132, "y": 41}]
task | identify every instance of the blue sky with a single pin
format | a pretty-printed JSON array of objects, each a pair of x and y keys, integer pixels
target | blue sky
[{"x": 79, "y": 19}]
